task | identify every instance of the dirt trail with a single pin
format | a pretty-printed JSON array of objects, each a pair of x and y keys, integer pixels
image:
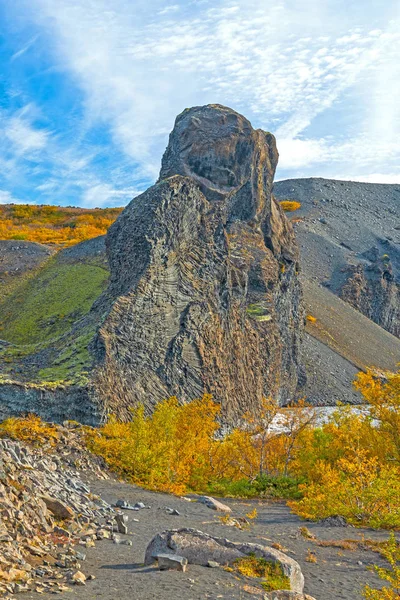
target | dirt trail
[{"x": 120, "y": 573}]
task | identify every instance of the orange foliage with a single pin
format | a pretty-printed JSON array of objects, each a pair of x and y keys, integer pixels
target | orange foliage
[
  {"x": 54, "y": 224},
  {"x": 30, "y": 429},
  {"x": 290, "y": 205}
]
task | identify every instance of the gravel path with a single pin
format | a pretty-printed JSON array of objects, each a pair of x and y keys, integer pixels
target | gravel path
[{"x": 120, "y": 574}]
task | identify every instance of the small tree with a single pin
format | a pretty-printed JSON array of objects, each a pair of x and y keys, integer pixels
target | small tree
[{"x": 383, "y": 398}]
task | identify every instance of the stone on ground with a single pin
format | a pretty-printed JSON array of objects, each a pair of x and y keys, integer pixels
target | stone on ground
[
  {"x": 214, "y": 504},
  {"x": 171, "y": 562},
  {"x": 200, "y": 548},
  {"x": 59, "y": 509}
]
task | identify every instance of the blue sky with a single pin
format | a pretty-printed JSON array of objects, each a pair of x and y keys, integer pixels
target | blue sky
[{"x": 89, "y": 89}]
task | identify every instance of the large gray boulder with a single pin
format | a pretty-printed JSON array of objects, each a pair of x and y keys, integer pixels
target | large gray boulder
[
  {"x": 199, "y": 548},
  {"x": 204, "y": 295}
]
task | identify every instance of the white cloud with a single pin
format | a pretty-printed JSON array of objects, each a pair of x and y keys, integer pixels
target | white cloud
[
  {"x": 103, "y": 194},
  {"x": 169, "y": 9},
  {"x": 24, "y": 136},
  {"x": 7, "y": 198},
  {"x": 297, "y": 153},
  {"x": 392, "y": 178}
]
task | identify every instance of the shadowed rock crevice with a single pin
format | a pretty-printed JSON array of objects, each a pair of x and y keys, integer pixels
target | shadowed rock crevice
[{"x": 204, "y": 292}]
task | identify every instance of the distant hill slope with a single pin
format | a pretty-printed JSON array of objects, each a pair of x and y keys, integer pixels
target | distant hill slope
[
  {"x": 348, "y": 332},
  {"x": 55, "y": 225},
  {"x": 349, "y": 238}
]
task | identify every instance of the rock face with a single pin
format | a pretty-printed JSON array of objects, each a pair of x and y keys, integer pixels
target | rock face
[
  {"x": 372, "y": 290},
  {"x": 55, "y": 404},
  {"x": 204, "y": 294}
]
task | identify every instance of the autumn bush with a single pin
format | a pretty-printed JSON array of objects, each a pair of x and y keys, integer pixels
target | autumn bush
[
  {"x": 352, "y": 463},
  {"x": 349, "y": 465},
  {"x": 58, "y": 225},
  {"x": 390, "y": 574},
  {"x": 30, "y": 429},
  {"x": 290, "y": 205}
]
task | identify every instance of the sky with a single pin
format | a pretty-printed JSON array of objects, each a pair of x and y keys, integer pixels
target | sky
[{"x": 89, "y": 89}]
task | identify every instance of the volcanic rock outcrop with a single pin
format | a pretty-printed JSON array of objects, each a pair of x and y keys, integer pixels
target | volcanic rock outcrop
[
  {"x": 204, "y": 293},
  {"x": 372, "y": 289}
]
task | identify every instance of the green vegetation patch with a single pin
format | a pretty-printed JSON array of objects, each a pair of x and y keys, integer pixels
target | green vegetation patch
[
  {"x": 271, "y": 572},
  {"x": 46, "y": 307},
  {"x": 264, "y": 486},
  {"x": 71, "y": 364},
  {"x": 258, "y": 312}
]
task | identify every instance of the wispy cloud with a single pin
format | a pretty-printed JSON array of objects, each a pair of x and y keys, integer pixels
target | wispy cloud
[
  {"x": 269, "y": 61},
  {"x": 103, "y": 194},
  {"x": 7, "y": 197},
  {"x": 24, "y": 48},
  {"x": 24, "y": 136}
]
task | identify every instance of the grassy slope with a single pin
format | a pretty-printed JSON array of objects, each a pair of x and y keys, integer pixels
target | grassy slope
[
  {"x": 46, "y": 306},
  {"x": 39, "y": 319}
]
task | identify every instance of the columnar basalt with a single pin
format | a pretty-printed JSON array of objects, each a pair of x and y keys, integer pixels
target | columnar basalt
[{"x": 204, "y": 293}]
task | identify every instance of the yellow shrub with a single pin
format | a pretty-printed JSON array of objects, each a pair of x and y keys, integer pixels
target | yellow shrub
[
  {"x": 54, "y": 224},
  {"x": 290, "y": 205},
  {"x": 30, "y": 429}
]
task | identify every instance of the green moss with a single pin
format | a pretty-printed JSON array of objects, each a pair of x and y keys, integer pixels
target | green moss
[
  {"x": 258, "y": 312},
  {"x": 46, "y": 307},
  {"x": 72, "y": 363}
]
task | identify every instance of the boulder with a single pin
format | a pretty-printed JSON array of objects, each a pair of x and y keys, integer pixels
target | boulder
[
  {"x": 214, "y": 504},
  {"x": 171, "y": 562},
  {"x": 204, "y": 294},
  {"x": 200, "y": 548},
  {"x": 59, "y": 509}
]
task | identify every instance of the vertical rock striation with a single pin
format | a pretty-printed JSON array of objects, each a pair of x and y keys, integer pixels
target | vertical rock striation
[
  {"x": 372, "y": 289},
  {"x": 204, "y": 294}
]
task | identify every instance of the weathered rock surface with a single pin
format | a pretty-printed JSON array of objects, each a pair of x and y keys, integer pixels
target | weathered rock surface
[
  {"x": 371, "y": 288},
  {"x": 204, "y": 293},
  {"x": 171, "y": 561},
  {"x": 214, "y": 504},
  {"x": 54, "y": 404},
  {"x": 200, "y": 548}
]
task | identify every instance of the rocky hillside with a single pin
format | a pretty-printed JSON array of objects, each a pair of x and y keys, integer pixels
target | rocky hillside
[
  {"x": 349, "y": 236},
  {"x": 46, "y": 511},
  {"x": 204, "y": 293}
]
